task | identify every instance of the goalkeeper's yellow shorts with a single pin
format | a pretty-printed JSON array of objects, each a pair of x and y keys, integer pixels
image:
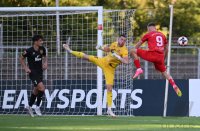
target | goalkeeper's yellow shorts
[{"x": 108, "y": 70}]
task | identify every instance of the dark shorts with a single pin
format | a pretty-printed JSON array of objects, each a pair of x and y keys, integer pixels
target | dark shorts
[
  {"x": 36, "y": 77},
  {"x": 155, "y": 57}
]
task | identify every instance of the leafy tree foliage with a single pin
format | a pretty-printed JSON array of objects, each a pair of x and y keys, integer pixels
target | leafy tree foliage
[{"x": 186, "y": 12}]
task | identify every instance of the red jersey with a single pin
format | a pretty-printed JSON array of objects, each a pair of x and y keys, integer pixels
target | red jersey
[{"x": 156, "y": 41}]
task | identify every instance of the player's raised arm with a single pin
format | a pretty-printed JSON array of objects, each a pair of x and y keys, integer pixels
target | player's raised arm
[
  {"x": 138, "y": 44},
  {"x": 104, "y": 48},
  {"x": 125, "y": 60},
  {"x": 122, "y": 59},
  {"x": 123, "y": 54}
]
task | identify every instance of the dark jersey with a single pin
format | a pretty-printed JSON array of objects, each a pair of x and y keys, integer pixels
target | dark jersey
[{"x": 35, "y": 58}]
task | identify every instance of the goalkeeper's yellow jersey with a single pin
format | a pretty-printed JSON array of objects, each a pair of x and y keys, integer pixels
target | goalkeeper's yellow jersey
[{"x": 121, "y": 51}]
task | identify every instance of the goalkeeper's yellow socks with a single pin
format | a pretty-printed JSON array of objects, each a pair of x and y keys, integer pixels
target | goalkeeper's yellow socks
[
  {"x": 109, "y": 99},
  {"x": 109, "y": 102},
  {"x": 77, "y": 54}
]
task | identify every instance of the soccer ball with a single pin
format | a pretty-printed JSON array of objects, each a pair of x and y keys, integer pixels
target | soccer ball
[{"x": 182, "y": 41}]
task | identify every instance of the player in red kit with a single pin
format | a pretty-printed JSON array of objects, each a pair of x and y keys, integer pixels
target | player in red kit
[{"x": 156, "y": 53}]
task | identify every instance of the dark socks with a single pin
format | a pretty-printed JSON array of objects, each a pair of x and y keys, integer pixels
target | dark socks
[
  {"x": 39, "y": 97},
  {"x": 137, "y": 63},
  {"x": 32, "y": 100}
]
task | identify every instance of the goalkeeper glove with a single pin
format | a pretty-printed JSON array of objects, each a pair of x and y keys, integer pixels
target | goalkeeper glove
[
  {"x": 99, "y": 47},
  {"x": 116, "y": 55}
]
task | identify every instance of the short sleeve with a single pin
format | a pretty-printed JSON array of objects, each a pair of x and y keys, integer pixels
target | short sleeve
[
  {"x": 145, "y": 38},
  {"x": 26, "y": 53}
]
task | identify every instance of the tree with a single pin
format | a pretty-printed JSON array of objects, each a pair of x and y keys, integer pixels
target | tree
[
  {"x": 186, "y": 12},
  {"x": 22, "y": 3}
]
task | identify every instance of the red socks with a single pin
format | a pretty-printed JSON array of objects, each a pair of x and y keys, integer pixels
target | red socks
[
  {"x": 137, "y": 63},
  {"x": 171, "y": 81}
]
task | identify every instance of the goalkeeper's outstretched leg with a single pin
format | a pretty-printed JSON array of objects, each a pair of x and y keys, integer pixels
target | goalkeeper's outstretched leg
[
  {"x": 75, "y": 53},
  {"x": 107, "y": 72},
  {"x": 117, "y": 53},
  {"x": 107, "y": 75}
]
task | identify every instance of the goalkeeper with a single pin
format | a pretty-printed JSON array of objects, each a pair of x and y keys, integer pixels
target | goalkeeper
[{"x": 117, "y": 54}]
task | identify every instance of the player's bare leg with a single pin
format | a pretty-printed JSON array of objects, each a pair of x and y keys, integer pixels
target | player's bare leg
[
  {"x": 75, "y": 53},
  {"x": 139, "y": 70},
  {"x": 171, "y": 81},
  {"x": 109, "y": 101}
]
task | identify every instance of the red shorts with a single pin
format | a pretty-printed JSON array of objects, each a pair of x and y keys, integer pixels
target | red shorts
[{"x": 155, "y": 57}]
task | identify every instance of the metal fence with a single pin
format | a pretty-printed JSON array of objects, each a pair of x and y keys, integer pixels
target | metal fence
[{"x": 185, "y": 64}]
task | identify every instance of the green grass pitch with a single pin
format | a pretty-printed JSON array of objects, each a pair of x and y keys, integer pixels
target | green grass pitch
[{"x": 97, "y": 123}]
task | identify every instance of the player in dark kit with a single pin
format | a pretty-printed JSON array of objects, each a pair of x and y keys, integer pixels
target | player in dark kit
[
  {"x": 37, "y": 62},
  {"x": 156, "y": 53}
]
